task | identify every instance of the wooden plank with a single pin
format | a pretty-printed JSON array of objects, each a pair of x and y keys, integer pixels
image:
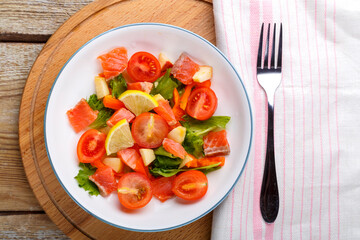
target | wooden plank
[
  {"x": 35, "y": 20},
  {"x": 29, "y": 226},
  {"x": 15, "y": 63}
]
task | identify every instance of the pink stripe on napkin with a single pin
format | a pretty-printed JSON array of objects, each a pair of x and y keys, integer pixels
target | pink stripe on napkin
[{"x": 316, "y": 119}]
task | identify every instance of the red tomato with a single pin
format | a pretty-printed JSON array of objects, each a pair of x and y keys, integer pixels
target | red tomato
[
  {"x": 119, "y": 115},
  {"x": 190, "y": 185},
  {"x": 104, "y": 178},
  {"x": 81, "y": 115},
  {"x": 141, "y": 86},
  {"x": 143, "y": 67},
  {"x": 184, "y": 69},
  {"x": 161, "y": 188},
  {"x": 202, "y": 103},
  {"x": 216, "y": 144},
  {"x": 114, "y": 62},
  {"x": 174, "y": 148},
  {"x": 91, "y": 146},
  {"x": 134, "y": 190},
  {"x": 132, "y": 158},
  {"x": 165, "y": 111},
  {"x": 149, "y": 130}
]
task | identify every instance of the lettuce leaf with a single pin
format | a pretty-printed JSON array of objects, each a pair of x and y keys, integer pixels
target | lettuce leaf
[
  {"x": 201, "y": 128},
  {"x": 172, "y": 172},
  {"x": 118, "y": 86},
  {"x": 83, "y": 178},
  {"x": 164, "y": 85},
  {"x": 196, "y": 129},
  {"x": 103, "y": 115},
  {"x": 164, "y": 162},
  {"x": 193, "y": 144},
  {"x": 95, "y": 103}
]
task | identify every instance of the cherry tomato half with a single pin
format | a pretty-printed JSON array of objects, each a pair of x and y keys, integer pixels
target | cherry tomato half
[
  {"x": 149, "y": 130},
  {"x": 91, "y": 146},
  {"x": 134, "y": 190},
  {"x": 143, "y": 67},
  {"x": 202, "y": 103},
  {"x": 190, "y": 185}
]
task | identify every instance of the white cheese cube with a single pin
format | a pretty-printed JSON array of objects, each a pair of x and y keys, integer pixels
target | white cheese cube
[
  {"x": 204, "y": 73},
  {"x": 115, "y": 163},
  {"x": 101, "y": 87},
  {"x": 147, "y": 155},
  {"x": 177, "y": 134}
]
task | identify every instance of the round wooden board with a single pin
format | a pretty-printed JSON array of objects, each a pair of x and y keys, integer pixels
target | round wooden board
[{"x": 97, "y": 17}]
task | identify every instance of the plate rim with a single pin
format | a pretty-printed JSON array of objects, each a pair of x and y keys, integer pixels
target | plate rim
[{"x": 250, "y": 113}]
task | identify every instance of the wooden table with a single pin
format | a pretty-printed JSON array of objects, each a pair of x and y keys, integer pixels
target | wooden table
[{"x": 25, "y": 26}]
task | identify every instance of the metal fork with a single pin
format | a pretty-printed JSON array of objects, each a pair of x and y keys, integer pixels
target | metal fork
[{"x": 269, "y": 78}]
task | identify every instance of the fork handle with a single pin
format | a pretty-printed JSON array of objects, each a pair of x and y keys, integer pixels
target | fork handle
[{"x": 269, "y": 196}]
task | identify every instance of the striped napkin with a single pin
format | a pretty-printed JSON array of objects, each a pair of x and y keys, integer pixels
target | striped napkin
[{"x": 317, "y": 119}]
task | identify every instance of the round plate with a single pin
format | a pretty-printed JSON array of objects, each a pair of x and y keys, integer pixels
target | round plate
[{"x": 76, "y": 81}]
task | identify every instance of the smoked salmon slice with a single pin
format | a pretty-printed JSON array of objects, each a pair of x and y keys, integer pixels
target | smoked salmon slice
[
  {"x": 114, "y": 62},
  {"x": 104, "y": 178},
  {"x": 81, "y": 116},
  {"x": 132, "y": 158},
  {"x": 216, "y": 144},
  {"x": 141, "y": 86},
  {"x": 165, "y": 111},
  {"x": 119, "y": 115},
  {"x": 174, "y": 148},
  {"x": 161, "y": 188},
  {"x": 184, "y": 69}
]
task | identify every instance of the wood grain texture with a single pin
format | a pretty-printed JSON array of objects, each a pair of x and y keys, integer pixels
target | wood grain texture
[
  {"x": 29, "y": 226},
  {"x": 90, "y": 21},
  {"x": 35, "y": 20},
  {"x": 15, "y": 63}
]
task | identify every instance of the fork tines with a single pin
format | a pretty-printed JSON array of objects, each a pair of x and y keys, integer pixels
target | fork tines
[{"x": 265, "y": 64}]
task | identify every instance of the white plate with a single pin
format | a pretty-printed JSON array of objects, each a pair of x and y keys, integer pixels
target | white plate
[{"x": 75, "y": 81}]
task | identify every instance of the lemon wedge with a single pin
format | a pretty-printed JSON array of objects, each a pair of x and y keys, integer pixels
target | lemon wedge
[
  {"x": 119, "y": 137},
  {"x": 138, "y": 102}
]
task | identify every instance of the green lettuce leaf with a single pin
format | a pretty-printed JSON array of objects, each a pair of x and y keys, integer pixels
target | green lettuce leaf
[
  {"x": 201, "y": 128},
  {"x": 193, "y": 144},
  {"x": 164, "y": 85},
  {"x": 103, "y": 115},
  {"x": 172, "y": 172},
  {"x": 164, "y": 162},
  {"x": 95, "y": 103},
  {"x": 118, "y": 86},
  {"x": 83, "y": 178}
]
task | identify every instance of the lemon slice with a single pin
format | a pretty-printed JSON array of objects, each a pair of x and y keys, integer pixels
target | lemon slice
[
  {"x": 119, "y": 137},
  {"x": 138, "y": 102}
]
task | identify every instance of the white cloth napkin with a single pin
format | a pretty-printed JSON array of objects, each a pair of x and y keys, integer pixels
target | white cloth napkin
[{"x": 317, "y": 119}]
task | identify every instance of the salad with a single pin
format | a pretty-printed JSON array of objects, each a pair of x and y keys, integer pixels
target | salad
[{"x": 149, "y": 129}]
